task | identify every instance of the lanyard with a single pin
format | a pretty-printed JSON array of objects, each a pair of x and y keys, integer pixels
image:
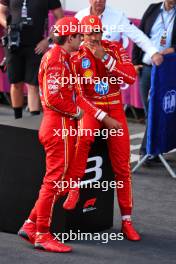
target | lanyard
[
  {"x": 24, "y": 9},
  {"x": 164, "y": 24}
]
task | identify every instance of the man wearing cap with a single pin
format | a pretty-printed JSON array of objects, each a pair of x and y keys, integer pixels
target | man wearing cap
[
  {"x": 103, "y": 108},
  {"x": 116, "y": 26},
  {"x": 60, "y": 112}
]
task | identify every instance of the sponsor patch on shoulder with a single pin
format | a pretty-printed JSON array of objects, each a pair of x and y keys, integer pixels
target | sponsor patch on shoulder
[{"x": 86, "y": 63}]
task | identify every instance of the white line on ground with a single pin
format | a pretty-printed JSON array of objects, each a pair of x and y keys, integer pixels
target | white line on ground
[
  {"x": 138, "y": 135},
  {"x": 135, "y": 157}
]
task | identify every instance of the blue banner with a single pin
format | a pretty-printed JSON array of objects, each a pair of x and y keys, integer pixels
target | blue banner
[{"x": 161, "y": 132}]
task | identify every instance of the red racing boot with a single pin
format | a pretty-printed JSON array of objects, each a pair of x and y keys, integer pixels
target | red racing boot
[
  {"x": 49, "y": 243},
  {"x": 28, "y": 232},
  {"x": 72, "y": 199},
  {"x": 129, "y": 231}
]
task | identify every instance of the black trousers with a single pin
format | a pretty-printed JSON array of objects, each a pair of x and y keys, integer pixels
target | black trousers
[{"x": 23, "y": 65}]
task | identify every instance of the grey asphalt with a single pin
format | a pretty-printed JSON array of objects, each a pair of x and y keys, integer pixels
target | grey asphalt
[{"x": 154, "y": 216}]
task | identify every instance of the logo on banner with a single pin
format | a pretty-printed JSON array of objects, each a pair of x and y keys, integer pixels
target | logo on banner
[
  {"x": 102, "y": 88},
  {"x": 169, "y": 102},
  {"x": 89, "y": 205},
  {"x": 85, "y": 63}
]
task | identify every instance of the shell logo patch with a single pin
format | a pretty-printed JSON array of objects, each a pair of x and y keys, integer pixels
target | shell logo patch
[{"x": 88, "y": 73}]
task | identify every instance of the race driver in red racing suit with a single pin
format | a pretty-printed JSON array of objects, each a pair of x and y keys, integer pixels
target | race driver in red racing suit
[
  {"x": 103, "y": 107},
  {"x": 60, "y": 112}
]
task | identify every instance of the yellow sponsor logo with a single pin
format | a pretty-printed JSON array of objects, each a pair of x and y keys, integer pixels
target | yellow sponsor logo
[{"x": 88, "y": 74}]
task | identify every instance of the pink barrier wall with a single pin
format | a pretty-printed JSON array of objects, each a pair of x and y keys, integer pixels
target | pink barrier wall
[{"x": 130, "y": 94}]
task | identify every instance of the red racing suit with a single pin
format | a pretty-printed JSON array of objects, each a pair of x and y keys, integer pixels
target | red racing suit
[
  {"x": 59, "y": 109},
  {"x": 97, "y": 100}
]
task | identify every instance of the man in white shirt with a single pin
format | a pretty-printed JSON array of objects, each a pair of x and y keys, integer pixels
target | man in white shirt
[
  {"x": 159, "y": 23},
  {"x": 117, "y": 25}
]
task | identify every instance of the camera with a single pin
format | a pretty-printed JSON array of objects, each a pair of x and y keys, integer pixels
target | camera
[
  {"x": 26, "y": 21},
  {"x": 12, "y": 39}
]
